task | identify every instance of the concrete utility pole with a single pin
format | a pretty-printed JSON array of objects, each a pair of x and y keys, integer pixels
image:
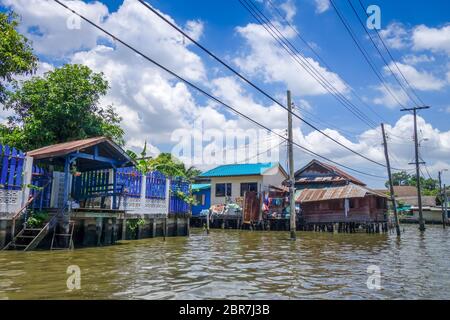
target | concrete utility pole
[
  {"x": 442, "y": 196},
  {"x": 446, "y": 200},
  {"x": 391, "y": 185},
  {"x": 291, "y": 169},
  {"x": 417, "y": 163}
]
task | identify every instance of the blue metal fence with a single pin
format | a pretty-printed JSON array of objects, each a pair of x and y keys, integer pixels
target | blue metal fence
[
  {"x": 11, "y": 168},
  {"x": 178, "y": 205}
]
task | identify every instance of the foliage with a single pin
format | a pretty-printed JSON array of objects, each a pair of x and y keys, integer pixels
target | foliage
[
  {"x": 16, "y": 54},
  {"x": 37, "y": 219},
  {"x": 134, "y": 224},
  {"x": 189, "y": 199},
  {"x": 61, "y": 106},
  {"x": 164, "y": 163},
  {"x": 430, "y": 187}
]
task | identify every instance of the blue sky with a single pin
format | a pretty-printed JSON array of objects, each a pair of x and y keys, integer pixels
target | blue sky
[{"x": 153, "y": 105}]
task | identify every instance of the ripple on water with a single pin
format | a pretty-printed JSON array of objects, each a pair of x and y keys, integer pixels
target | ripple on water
[{"x": 239, "y": 265}]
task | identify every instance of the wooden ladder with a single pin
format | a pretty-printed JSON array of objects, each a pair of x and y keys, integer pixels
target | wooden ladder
[
  {"x": 28, "y": 238},
  {"x": 64, "y": 235}
]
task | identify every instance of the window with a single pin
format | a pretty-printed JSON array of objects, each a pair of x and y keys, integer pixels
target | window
[
  {"x": 253, "y": 186},
  {"x": 223, "y": 189},
  {"x": 200, "y": 199}
]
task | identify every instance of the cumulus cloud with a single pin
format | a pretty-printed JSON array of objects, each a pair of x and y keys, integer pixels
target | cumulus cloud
[
  {"x": 433, "y": 39},
  {"x": 56, "y": 32},
  {"x": 434, "y": 151},
  {"x": 396, "y": 36},
  {"x": 421, "y": 80},
  {"x": 267, "y": 59}
]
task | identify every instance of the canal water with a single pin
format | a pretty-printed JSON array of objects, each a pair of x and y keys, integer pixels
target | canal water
[{"x": 240, "y": 265}]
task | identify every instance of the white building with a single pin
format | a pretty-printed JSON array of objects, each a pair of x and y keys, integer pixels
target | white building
[{"x": 232, "y": 181}]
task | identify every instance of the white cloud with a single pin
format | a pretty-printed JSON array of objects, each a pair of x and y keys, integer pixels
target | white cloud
[
  {"x": 434, "y": 151},
  {"x": 46, "y": 24},
  {"x": 395, "y": 36},
  {"x": 412, "y": 59},
  {"x": 421, "y": 80},
  {"x": 266, "y": 59},
  {"x": 434, "y": 39},
  {"x": 289, "y": 9},
  {"x": 322, "y": 5},
  {"x": 390, "y": 96}
]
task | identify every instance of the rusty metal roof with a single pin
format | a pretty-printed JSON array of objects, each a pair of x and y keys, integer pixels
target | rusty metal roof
[
  {"x": 62, "y": 149},
  {"x": 342, "y": 174},
  {"x": 332, "y": 193}
]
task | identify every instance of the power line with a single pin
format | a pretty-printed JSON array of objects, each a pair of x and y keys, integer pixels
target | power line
[
  {"x": 365, "y": 54},
  {"x": 300, "y": 59},
  {"x": 254, "y": 85},
  {"x": 393, "y": 60},
  {"x": 206, "y": 93},
  {"x": 379, "y": 52},
  {"x": 322, "y": 60}
]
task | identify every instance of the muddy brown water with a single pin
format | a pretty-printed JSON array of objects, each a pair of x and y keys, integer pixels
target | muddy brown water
[{"x": 240, "y": 265}]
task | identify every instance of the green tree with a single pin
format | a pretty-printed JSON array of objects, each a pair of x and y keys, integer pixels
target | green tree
[
  {"x": 16, "y": 53},
  {"x": 61, "y": 106},
  {"x": 430, "y": 187}
]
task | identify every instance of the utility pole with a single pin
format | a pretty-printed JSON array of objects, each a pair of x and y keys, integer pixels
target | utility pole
[
  {"x": 391, "y": 185},
  {"x": 417, "y": 163},
  {"x": 446, "y": 200},
  {"x": 291, "y": 169},
  {"x": 442, "y": 196}
]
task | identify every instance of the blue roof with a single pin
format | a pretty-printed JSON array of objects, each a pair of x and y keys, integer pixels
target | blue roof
[
  {"x": 246, "y": 169},
  {"x": 200, "y": 186}
]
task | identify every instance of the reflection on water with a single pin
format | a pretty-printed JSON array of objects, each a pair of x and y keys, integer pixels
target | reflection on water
[{"x": 239, "y": 265}]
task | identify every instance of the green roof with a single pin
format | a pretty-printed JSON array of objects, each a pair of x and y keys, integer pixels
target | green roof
[
  {"x": 201, "y": 186},
  {"x": 246, "y": 169}
]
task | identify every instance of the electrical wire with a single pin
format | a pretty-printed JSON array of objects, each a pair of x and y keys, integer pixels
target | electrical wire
[{"x": 210, "y": 96}]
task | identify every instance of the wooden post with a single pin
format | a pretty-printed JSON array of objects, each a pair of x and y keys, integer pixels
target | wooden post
[
  {"x": 292, "y": 225},
  {"x": 99, "y": 230},
  {"x": 391, "y": 185},
  {"x": 124, "y": 228},
  {"x": 207, "y": 222}
]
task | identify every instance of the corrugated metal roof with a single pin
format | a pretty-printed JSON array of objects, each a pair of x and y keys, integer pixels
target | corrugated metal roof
[
  {"x": 201, "y": 186},
  {"x": 106, "y": 148},
  {"x": 333, "y": 193},
  {"x": 64, "y": 148},
  {"x": 331, "y": 168},
  {"x": 246, "y": 169}
]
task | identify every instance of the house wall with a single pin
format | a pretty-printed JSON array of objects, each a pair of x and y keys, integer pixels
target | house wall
[
  {"x": 273, "y": 176},
  {"x": 235, "y": 186},
  {"x": 333, "y": 211}
]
